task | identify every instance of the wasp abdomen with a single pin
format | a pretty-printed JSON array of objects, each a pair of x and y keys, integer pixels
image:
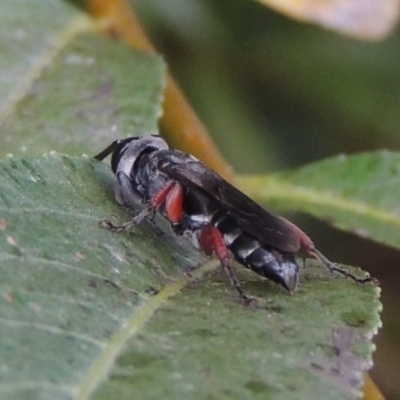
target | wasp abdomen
[{"x": 264, "y": 260}]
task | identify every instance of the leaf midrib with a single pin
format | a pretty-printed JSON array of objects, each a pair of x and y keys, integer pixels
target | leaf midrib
[{"x": 111, "y": 350}]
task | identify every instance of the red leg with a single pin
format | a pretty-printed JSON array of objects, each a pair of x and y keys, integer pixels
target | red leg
[
  {"x": 307, "y": 245},
  {"x": 211, "y": 241},
  {"x": 172, "y": 196}
]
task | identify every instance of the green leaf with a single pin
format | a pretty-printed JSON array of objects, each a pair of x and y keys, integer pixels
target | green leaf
[
  {"x": 65, "y": 87},
  {"x": 356, "y": 193},
  {"x": 86, "y": 313}
]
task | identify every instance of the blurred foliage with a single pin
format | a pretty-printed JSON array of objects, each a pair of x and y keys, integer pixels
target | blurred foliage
[
  {"x": 301, "y": 92},
  {"x": 276, "y": 94},
  {"x": 362, "y": 19}
]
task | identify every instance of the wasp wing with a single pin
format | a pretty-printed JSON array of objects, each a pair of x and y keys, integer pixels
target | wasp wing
[{"x": 247, "y": 214}]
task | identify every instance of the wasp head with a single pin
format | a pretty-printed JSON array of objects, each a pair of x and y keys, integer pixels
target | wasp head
[{"x": 125, "y": 152}]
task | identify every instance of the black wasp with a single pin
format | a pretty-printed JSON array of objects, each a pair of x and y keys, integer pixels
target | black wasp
[{"x": 221, "y": 219}]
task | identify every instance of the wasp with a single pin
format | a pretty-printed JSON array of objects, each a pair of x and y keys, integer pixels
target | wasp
[{"x": 220, "y": 219}]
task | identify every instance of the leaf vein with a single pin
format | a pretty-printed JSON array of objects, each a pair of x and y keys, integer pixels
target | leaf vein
[
  {"x": 24, "y": 385},
  {"x": 51, "y": 329},
  {"x": 114, "y": 346},
  {"x": 77, "y": 26}
]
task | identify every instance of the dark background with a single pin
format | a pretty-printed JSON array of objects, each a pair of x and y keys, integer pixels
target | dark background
[{"x": 276, "y": 94}]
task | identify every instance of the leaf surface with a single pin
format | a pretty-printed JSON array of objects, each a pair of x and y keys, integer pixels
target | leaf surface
[
  {"x": 65, "y": 87},
  {"x": 86, "y": 313}
]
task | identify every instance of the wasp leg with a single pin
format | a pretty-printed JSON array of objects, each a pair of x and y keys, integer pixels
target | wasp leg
[
  {"x": 136, "y": 220},
  {"x": 171, "y": 196},
  {"x": 333, "y": 268},
  {"x": 306, "y": 244},
  {"x": 211, "y": 241}
]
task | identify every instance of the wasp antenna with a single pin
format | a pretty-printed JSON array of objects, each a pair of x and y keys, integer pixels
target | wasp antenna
[
  {"x": 108, "y": 150},
  {"x": 333, "y": 268}
]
